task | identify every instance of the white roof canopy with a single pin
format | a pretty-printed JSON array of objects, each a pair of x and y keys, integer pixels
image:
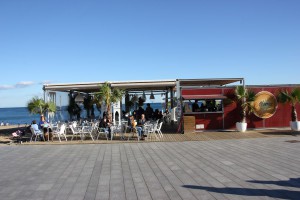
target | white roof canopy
[{"x": 140, "y": 85}]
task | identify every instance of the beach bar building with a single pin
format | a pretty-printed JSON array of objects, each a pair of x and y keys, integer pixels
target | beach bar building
[{"x": 214, "y": 110}]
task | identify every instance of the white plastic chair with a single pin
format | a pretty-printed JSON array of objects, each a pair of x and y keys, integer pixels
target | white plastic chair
[
  {"x": 133, "y": 131},
  {"x": 155, "y": 130},
  {"x": 115, "y": 129},
  {"x": 101, "y": 131},
  {"x": 60, "y": 132},
  {"x": 36, "y": 133},
  {"x": 158, "y": 130},
  {"x": 75, "y": 132},
  {"x": 87, "y": 130},
  {"x": 151, "y": 130}
]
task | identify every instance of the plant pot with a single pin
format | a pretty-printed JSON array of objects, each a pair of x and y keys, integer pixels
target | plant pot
[
  {"x": 295, "y": 126},
  {"x": 241, "y": 126}
]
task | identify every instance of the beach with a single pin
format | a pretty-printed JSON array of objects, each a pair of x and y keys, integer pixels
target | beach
[{"x": 6, "y": 132}]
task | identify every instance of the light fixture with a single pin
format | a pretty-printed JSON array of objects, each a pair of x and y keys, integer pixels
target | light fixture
[
  {"x": 79, "y": 99},
  {"x": 152, "y": 95},
  {"x": 144, "y": 95}
]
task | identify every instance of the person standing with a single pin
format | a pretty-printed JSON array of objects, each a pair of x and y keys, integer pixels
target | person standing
[
  {"x": 149, "y": 112},
  {"x": 195, "y": 106}
]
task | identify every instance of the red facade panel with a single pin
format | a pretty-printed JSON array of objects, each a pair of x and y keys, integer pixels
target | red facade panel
[
  {"x": 204, "y": 91},
  {"x": 231, "y": 114},
  {"x": 210, "y": 120}
]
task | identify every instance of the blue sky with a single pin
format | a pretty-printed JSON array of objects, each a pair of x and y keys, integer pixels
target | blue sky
[{"x": 67, "y": 41}]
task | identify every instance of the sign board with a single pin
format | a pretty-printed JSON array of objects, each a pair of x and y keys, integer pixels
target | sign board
[
  {"x": 199, "y": 126},
  {"x": 265, "y": 105}
]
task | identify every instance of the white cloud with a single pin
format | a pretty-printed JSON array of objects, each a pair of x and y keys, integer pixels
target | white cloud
[
  {"x": 6, "y": 87},
  {"x": 45, "y": 82},
  {"x": 21, "y": 84},
  {"x": 24, "y": 84}
]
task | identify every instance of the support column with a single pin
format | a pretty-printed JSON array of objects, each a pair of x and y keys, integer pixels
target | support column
[
  {"x": 172, "y": 97},
  {"x": 166, "y": 99},
  {"x": 173, "y": 111},
  {"x": 121, "y": 109},
  {"x": 70, "y": 103},
  {"x": 126, "y": 102}
]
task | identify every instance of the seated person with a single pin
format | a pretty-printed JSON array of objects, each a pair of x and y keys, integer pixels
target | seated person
[
  {"x": 18, "y": 133},
  {"x": 140, "y": 127},
  {"x": 105, "y": 124},
  {"x": 36, "y": 129},
  {"x": 167, "y": 111},
  {"x": 134, "y": 127},
  {"x": 132, "y": 123},
  {"x": 160, "y": 116},
  {"x": 142, "y": 120},
  {"x": 45, "y": 126},
  {"x": 167, "y": 116}
]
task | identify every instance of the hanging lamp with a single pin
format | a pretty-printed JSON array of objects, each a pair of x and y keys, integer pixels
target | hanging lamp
[
  {"x": 144, "y": 95},
  {"x": 79, "y": 98},
  {"x": 152, "y": 95}
]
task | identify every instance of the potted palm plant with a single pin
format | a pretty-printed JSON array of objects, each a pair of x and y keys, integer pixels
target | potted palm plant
[
  {"x": 107, "y": 95},
  {"x": 291, "y": 97},
  {"x": 38, "y": 106},
  {"x": 245, "y": 99}
]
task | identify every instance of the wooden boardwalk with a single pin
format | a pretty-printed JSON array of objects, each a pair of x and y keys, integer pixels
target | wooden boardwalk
[
  {"x": 255, "y": 168},
  {"x": 176, "y": 137}
]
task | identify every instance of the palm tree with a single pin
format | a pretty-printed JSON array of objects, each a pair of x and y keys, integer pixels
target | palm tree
[
  {"x": 38, "y": 106},
  {"x": 245, "y": 98},
  {"x": 291, "y": 97},
  {"x": 108, "y": 96},
  {"x": 97, "y": 102}
]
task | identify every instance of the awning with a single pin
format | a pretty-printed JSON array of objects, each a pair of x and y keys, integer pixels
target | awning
[
  {"x": 126, "y": 85},
  {"x": 208, "y": 82},
  {"x": 213, "y": 96}
]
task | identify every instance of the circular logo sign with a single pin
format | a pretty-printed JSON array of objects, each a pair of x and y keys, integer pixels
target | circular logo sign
[{"x": 265, "y": 104}]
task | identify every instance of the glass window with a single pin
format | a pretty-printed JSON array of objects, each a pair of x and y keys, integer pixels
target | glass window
[{"x": 201, "y": 105}]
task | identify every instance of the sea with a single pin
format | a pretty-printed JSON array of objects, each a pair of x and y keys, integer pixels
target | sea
[{"x": 20, "y": 115}]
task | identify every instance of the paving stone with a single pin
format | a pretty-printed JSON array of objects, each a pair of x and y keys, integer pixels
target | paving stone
[{"x": 262, "y": 168}]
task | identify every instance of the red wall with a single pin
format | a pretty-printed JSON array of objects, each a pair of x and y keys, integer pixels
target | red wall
[{"x": 213, "y": 121}]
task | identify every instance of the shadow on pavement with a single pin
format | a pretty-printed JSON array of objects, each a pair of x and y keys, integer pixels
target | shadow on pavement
[{"x": 275, "y": 193}]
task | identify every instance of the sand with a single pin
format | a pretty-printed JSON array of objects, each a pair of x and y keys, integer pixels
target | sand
[{"x": 6, "y": 132}]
